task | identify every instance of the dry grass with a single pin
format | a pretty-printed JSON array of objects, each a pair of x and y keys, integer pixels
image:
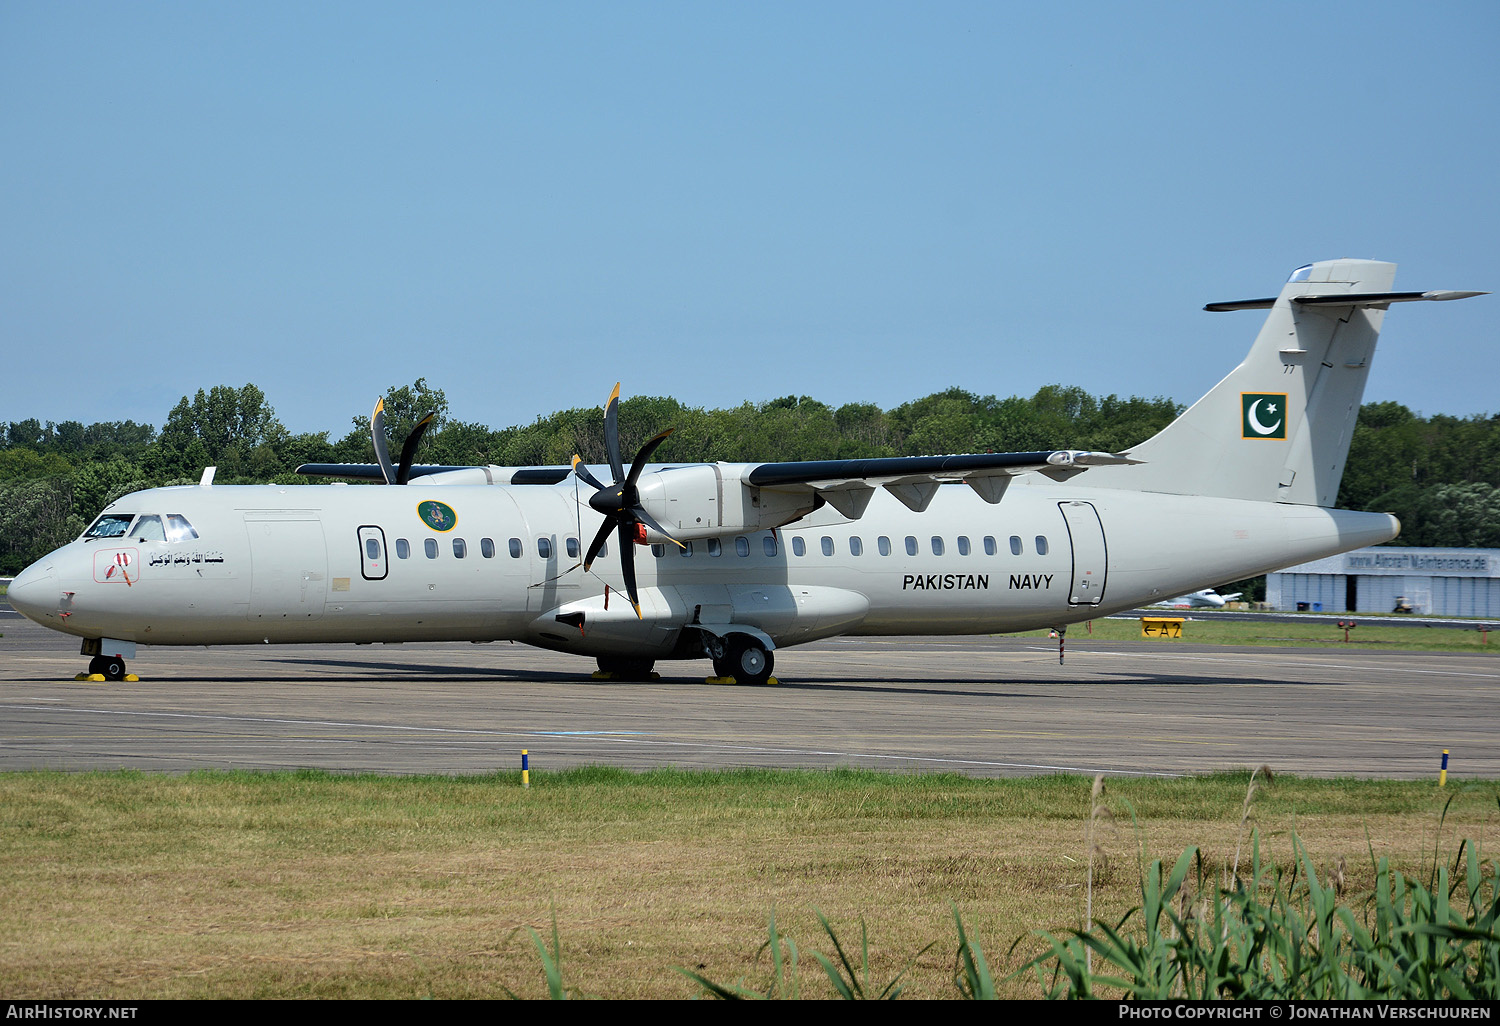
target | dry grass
[
  {"x": 1374, "y": 632},
  {"x": 307, "y": 885}
]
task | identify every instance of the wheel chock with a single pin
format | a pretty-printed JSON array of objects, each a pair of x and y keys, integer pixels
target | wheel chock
[
  {"x": 718, "y": 680},
  {"x": 601, "y": 675},
  {"x": 91, "y": 678},
  {"x": 132, "y": 677}
]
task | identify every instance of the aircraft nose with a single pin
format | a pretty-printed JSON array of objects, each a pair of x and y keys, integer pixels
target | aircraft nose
[{"x": 34, "y": 591}]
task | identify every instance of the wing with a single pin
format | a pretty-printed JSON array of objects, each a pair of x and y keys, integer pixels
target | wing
[
  {"x": 436, "y": 474},
  {"x": 848, "y": 484}
]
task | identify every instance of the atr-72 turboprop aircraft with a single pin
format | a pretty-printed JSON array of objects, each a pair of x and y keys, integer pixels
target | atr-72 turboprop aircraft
[{"x": 748, "y": 558}]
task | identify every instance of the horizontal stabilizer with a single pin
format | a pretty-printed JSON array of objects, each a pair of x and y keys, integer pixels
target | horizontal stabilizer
[{"x": 1379, "y": 299}]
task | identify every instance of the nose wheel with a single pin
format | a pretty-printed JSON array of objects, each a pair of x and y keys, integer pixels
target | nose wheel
[{"x": 108, "y": 667}]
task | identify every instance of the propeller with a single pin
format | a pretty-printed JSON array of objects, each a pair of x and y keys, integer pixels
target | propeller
[
  {"x": 395, "y": 474},
  {"x": 620, "y": 502}
]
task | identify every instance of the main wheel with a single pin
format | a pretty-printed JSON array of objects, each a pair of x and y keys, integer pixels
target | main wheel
[
  {"x": 626, "y": 668},
  {"x": 724, "y": 666},
  {"x": 749, "y": 662},
  {"x": 109, "y": 667}
]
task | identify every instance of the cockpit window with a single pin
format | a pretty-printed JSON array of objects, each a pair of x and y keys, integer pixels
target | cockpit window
[
  {"x": 110, "y": 525},
  {"x": 148, "y": 528},
  {"x": 178, "y": 528}
]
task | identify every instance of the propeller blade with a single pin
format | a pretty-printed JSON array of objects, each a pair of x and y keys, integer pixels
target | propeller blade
[
  {"x": 409, "y": 450},
  {"x": 583, "y": 473},
  {"x": 598, "y": 543},
  {"x": 612, "y": 434},
  {"x": 627, "y": 567},
  {"x": 377, "y": 437},
  {"x": 639, "y": 512},
  {"x": 645, "y": 451}
]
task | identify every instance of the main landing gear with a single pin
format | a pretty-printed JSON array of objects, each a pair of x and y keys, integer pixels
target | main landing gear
[
  {"x": 740, "y": 657},
  {"x": 626, "y": 668},
  {"x": 108, "y": 667}
]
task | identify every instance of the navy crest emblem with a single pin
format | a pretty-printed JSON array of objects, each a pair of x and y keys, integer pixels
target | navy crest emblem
[{"x": 437, "y": 515}]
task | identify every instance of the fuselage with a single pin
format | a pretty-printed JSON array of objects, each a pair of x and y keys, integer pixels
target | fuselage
[{"x": 305, "y": 564}]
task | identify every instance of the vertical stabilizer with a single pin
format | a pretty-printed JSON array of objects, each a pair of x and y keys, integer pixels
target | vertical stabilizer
[{"x": 1278, "y": 427}]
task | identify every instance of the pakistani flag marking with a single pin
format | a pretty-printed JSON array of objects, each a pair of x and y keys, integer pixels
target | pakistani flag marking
[{"x": 1263, "y": 414}]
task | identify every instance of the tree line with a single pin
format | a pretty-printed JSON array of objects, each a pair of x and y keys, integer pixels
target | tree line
[{"x": 1439, "y": 474}]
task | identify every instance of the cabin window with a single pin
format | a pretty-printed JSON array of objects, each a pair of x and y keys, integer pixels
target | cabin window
[
  {"x": 963, "y": 545},
  {"x": 799, "y": 547},
  {"x": 989, "y": 545},
  {"x": 827, "y": 544},
  {"x": 714, "y": 548},
  {"x": 572, "y": 544},
  {"x": 110, "y": 525},
  {"x": 178, "y": 528},
  {"x": 544, "y": 547},
  {"x": 768, "y": 543},
  {"x": 148, "y": 528},
  {"x": 460, "y": 548},
  {"x": 742, "y": 546},
  {"x": 911, "y": 545},
  {"x": 372, "y": 548},
  {"x": 856, "y": 547},
  {"x": 1041, "y": 545},
  {"x": 1015, "y": 545},
  {"x": 429, "y": 545},
  {"x": 515, "y": 548},
  {"x": 687, "y": 549},
  {"x": 937, "y": 546},
  {"x": 403, "y": 548},
  {"x": 487, "y": 548},
  {"x": 658, "y": 550},
  {"x": 603, "y": 550},
  {"x": 884, "y": 545}
]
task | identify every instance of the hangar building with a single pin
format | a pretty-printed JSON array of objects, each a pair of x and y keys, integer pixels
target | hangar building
[{"x": 1434, "y": 582}]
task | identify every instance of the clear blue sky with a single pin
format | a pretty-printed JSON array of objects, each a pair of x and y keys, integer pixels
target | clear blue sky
[{"x": 526, "y": 202}]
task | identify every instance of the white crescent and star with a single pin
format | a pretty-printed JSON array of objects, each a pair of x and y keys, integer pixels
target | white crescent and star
[{"x": 1254, "y": 421}]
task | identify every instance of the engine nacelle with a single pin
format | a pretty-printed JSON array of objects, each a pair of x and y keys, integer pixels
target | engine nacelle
[{"x": 713, "y": 499}]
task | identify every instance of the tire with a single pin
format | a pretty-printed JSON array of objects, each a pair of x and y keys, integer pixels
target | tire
[
  {"x": 750, "y": 662},
  {"x": 109, "y": 667},
  {"x": 724, "y": 667}
]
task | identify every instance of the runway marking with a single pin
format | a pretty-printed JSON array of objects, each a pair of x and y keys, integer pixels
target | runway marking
[{"x": 619, "y": 739}]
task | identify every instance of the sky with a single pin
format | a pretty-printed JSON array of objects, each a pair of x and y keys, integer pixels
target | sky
[{"x": 862, "y": 202}]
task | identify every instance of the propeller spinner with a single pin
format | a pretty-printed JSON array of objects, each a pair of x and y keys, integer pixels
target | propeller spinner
[{"x": 620, "y": 502}]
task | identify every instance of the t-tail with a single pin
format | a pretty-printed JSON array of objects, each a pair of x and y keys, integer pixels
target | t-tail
[{"x": 1278, "y": 427}]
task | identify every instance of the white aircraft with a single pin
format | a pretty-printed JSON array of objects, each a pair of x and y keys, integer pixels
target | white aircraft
[
  {"x": 745, "y": 559},
  {"x": 1208, "y": 598}
]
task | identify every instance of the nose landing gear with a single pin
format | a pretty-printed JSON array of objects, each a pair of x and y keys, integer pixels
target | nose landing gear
[{"x": 108, "y": 667}]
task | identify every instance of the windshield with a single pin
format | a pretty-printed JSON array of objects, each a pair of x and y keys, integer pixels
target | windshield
[
  {"x": 149, "y": 528},
  {"x": 178, "y": 528},
  {"x": 110, "y": 525}
]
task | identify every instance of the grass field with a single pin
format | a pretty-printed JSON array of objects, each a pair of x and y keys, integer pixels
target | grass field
[
  {"x": 212, "y": 884},
  {"x": 1371, "y": 633}
]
